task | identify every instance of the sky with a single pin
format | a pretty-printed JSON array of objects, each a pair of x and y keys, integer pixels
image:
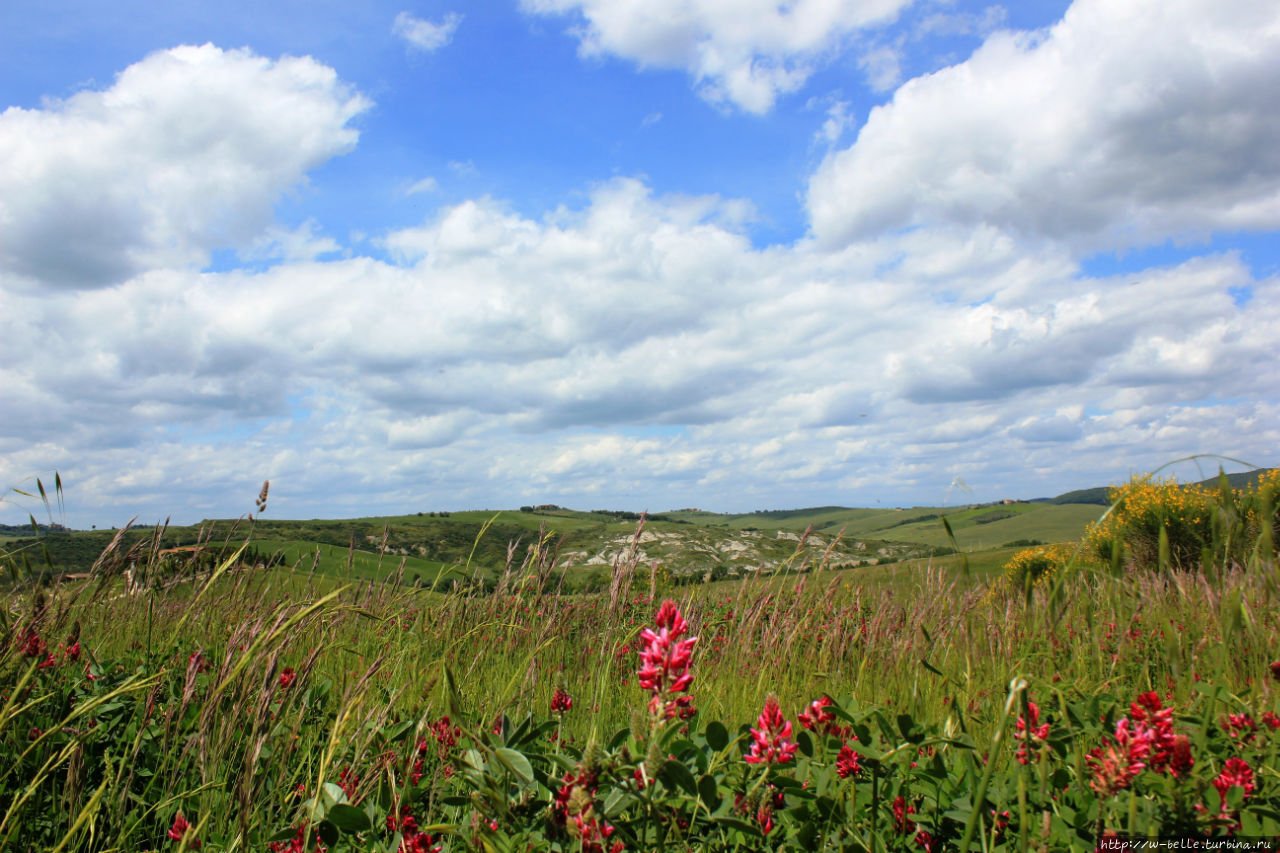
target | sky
[{"x": 632, "y": 254}]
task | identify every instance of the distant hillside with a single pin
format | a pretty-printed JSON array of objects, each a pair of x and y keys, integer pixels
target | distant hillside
[{"x": 1098, "y": 494}]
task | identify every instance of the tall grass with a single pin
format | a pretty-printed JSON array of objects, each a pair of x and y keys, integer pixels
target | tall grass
[{"x": 227, "y": 692}]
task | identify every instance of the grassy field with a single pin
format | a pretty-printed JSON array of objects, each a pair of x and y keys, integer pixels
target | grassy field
[{"x": 256, "y": 708}]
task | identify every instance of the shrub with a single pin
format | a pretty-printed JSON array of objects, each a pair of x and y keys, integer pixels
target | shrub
[
  {"x": 1034, "y": 566},
  {"x": 1154, "y": 524}
]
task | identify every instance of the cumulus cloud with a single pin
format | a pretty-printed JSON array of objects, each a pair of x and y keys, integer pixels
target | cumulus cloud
[
  {"x": 632, "y": 349},
  {"x": 740, "y": 52},
  {"x": 186, "y": 152},
  {"x": 1123, "y": 124},
  {"x": 423, "y": 35},
  {"x": 636, "y": 345}
]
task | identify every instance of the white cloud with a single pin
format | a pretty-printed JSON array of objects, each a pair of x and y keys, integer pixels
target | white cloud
[
  {"x": 186, "y": 152},
  {"x": 1123, "y": 124},
  {"x": 422, "y": 185},
  {"x": 423, "y": 35},
  {"x": 632, "y": 350},
  {"x": 883, "y": 67},
  {"x": 633, "y": 347},
  {"x": 740, "y": 52}
]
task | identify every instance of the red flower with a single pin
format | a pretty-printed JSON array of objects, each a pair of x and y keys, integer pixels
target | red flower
[
  {"x": 72, "y": 652},
  {"x": 817, "y": 718},
  {"x": 847, "y": 763},
  {"x": 1030, "y": 733},
  {"x": 1235, "y": 773},
  {"x": 764, "y": 817},
  {"x": 298, "y": 844},
  {"x": 561, "y": 701},
  {"x": 1181, "y": 762},
  {"x": 901, "y": 822},
  {"x": 771, "y": 741},
  {"x": 1151, "y": 717},
  {"x": 664, "y": 664},
  {"x": 198, "y": 662},
  {"x": 1275, "y": 670},
  {"x": 287, "y": 677},
  {"x": 32, "y": 646},
  {"x": 1117, "y": 764},
  {"x": 180, "y": 828},
  {"x": 1270, "y": 720},
  {"x": 1239, "y": 726}
]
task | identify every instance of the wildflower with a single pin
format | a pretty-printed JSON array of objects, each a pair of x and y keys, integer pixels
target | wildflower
[
  {"x": 1150, "y": 716},
  {"x": 71, "y": 652},
  {"x": 1033, "y": 732},
  {"x": 817, "y": 718},
  {"x": 1181, "y": 762},
  {"x": 297, "y": 844},
  {"x": 1275, "y": 670},
  {"x": 771, "y": 741},
  {"x": 198, "y": 662},
  {"x": 287, "y": 677},
  {"x": 561, "y": 701},
  {"x": 1239, "y": 726},
  {"x": 32, "y": 646},
  {"x": 665, "y": 659},
  {"x": 1270, "y": 720},
  {"x": 180, "y": 829},
  {"x": 847, "y": 762},
  {"x": 1236, "y": 773},
  {"x": 1116, "y": 764},
  {"x": 901, "y": 822},
  {"x": 412, "y": 839},
  {"x": 348, "y": 781},
  {"x": 764, "y": 817}
]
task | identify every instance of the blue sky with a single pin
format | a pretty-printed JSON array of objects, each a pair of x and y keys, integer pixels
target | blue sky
[{"x": 724, "y": 253}]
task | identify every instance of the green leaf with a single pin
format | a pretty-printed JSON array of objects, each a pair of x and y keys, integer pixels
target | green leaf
[
  {"x": 516, "y": 763},
  {"x": 739, "y": 824},
  {"x": 328, "y": 833},
  {"x": 717, "y": 736},
  {"x": 349, "y": 819},
  {"x": 709, "y": 791},
  {"x": 675, "y": 775},
  {"x": 805, "y": 742}
]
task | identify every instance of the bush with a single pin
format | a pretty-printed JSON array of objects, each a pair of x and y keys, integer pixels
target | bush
[
  {"x": 1154, "y": 524},
  {"x": 1032, "y": 567}
]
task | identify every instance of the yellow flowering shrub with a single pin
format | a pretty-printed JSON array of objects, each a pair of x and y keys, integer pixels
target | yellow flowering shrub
[
  {"x": 1143, "y": 507},
  {"x": 1037, "y": 565}
]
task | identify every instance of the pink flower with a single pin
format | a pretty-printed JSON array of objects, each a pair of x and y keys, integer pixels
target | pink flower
[
  {"x": 561, "y": 701},
  {"x": 771, "y": 740},
  {"x": 180, "y": 828},
  {"x": 1030, "y": 733},
  {"x": 847, "y": 762},
  {"x": 1116, "y": 764},
  {"x": 1236, "y": 773},
  {"x": 1181, "y": 762},
  {"x": 817, "y": 718},
  {"x": 664, "y": 664},
  {"x": 1151, "y": 717},
  {"x": 1239, "y": 726},
  {"x": 32, "y": 645}
]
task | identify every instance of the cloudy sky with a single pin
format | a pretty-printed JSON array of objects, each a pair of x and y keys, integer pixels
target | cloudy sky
[{"x": 643, "y": 254}]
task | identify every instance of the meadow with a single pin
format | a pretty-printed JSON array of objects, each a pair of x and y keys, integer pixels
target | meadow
[{"x": 1124, "y": 681}]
